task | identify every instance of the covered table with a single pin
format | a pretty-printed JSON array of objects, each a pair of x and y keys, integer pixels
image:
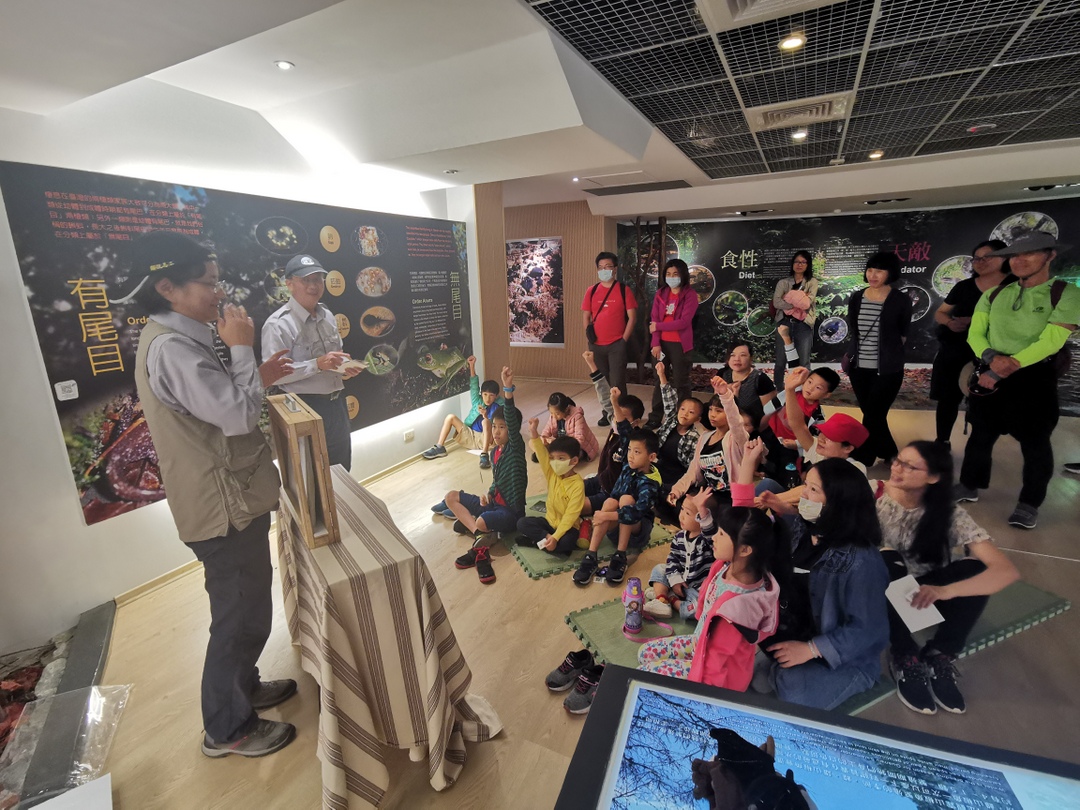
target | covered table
[{"x": 375, "y": 636}]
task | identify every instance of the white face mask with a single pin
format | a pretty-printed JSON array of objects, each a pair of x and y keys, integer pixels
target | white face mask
[
  {"x": 673, "y": 282},
  {"x": 605, "y": 275},
  {"x": 560, "y": 466},
  {"x": 809, "y": 510}
]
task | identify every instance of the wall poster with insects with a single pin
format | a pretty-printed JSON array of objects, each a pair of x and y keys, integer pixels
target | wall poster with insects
[{"x": 397, "y": 285}]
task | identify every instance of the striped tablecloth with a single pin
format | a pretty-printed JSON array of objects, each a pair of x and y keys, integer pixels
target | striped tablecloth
[{"x": 375, "y": 636}]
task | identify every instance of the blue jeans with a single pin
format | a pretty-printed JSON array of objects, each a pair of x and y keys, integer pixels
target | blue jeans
[
  {"x": 802, "y": 335},
  {"x": 816, "y": 685},
  {"x": 688, "y": 605}
]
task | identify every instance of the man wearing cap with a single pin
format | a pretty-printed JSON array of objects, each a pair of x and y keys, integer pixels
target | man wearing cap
[
  {"x": 308, "y": 331},
  {"x": 1016, "y": 330},
  {"x": 218, "y": 471}
]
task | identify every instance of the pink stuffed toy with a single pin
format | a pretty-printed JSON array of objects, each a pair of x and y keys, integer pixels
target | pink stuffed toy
[{"x": 800, "y": 303}]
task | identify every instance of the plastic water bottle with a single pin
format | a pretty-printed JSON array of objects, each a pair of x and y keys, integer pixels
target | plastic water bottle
[
  {"x": 632, "y": 598},
  {"x": 791, "y": 472}
]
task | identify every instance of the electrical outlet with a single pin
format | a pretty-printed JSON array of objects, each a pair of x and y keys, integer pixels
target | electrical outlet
[{"x": 410, "y": 434}]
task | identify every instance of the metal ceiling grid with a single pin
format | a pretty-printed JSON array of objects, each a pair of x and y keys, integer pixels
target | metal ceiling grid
[
  {"x": 962, "y": 144},
  {"x": 1057, "y": 7},
  {"x": 711, "y": 127},
  {"x": 806, "y": 81},
  {"x": 916, "y": 93},
  {"x": 663, "y": 67},
  {"x": 784, "y": 163},
  {"x": 838, "y": 29},
  {"x": 1050, "y": 36},
  {"x": 892, "y": 143},
  {"x": 1065, "y": 114},
  {"x": 1024, "y": 101},
  {"x": 1033, "y": 135},
  {"x": 906, "y": 20},
  {"x": 862, "y": 154},
  {"x": 1057, "y": 71},
  {"x": 720, "y": 145},
  {"x": 896, "y": 121},
  {"x": 958, "y": 126},
  {"x": 823, "y": 131},
  {"x": 910, "y": 60},
  {"x": 689, "y": 102},
  {"x": 790, "y": 152},
  {"x": 738, "y": 159}
]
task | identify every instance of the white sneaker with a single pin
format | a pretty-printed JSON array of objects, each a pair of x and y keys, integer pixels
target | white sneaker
[
  {"x": 658, "y": 609},
  {"x": 650, "y": 594}
]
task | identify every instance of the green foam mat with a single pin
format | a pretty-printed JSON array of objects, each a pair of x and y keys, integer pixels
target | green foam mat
[
  {"x": 1013, "y": 610},
  {"x": 538, "y": 564}
]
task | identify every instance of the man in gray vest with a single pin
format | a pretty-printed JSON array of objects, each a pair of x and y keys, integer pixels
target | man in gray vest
[
  {"x": 221, "y": 483},
  {"x": 308, "y": 331}
]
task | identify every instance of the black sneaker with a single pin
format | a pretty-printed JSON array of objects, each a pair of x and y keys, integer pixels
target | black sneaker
[
  {"x": 566, "y": 674},
  {"x": 580, "y": 700},
  {"x": 943, "y": 675},
  {"x": 605, "y": 422},
  {"x": 586, "y": 569},
  {"x": 483, "y": 565},
  {"x": 485, "y": 461},
  {"x": 962, "y": 494},
  {"x": 265, "y": 737},
  {"x": 1024, "y": 516},
  {"x": 271, "y": 693},
  {"x": 616, "y": 568},
  {"x": 466, "y": 560},
  {"x": 459, "y": 527},
  {"x": 913, "y": 684}
]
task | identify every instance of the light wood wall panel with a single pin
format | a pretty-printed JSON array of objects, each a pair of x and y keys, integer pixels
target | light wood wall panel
[
  {"x": 491, "y": 256},
  {"x": 584, "y": 235}
]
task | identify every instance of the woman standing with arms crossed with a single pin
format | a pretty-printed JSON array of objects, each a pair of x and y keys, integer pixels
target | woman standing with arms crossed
[
  {"x": 878, "y": 321},
  {"x": 954, "y": 317},
  {"x": 672, "y": 328},
  {"x": 797, "y": 312}
]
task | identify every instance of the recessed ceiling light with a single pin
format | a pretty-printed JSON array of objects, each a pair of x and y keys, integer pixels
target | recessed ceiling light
[
  {"x": 799, "y": 135},
  {"x": 877, "y": 154},
  {"x": 450, "y": 171},
  {"x": 282, "y": 64},
  {"x": 792, "y": 42},
  {"x": 575, "y": 179}
]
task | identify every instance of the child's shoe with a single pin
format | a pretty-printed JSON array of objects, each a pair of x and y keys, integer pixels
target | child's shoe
[
  {"x": 580, "y": 700},
  {"x": 616, "y": 568},
  {"x": 440, "y": 508},
  {"x": 435, "y": 451},
  {"x": 566, "y": 674},
  {"x": 585, "y": 536},
  {"x": 586, "y": 568},
  {"x": 459, "y": 527},
  {"x": 658, "y": 608},
  {"x": 466, "y": 560},
  {"x": 483, "y": 565},
  {"x": 485, "y": 461}
]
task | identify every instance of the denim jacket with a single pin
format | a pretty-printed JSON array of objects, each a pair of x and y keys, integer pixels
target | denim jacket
[{"x": 847, "y": 597}]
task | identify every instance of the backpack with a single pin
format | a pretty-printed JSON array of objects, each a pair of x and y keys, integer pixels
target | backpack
[{"x": 1063, "y": 358}]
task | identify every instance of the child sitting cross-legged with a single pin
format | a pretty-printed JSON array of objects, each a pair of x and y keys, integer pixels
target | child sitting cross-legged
[
  {"x": 474, "y": 432},
  {"x": 676, "y": 583},
  {"x": 627, "y": 511},
  {"x": 628, "y": 413},
  {"x": 566, "y": 418},
  {"x": 565, "y": 495}
]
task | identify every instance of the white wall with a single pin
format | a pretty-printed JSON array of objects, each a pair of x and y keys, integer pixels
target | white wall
[{"x": 54, "y": 566}]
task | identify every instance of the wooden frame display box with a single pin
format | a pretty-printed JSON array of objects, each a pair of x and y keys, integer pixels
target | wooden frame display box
[{"x": 307, "y": 495}]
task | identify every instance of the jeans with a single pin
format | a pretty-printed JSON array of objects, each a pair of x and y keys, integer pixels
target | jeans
[
  {"x": 611, "y": 361},
  {"x": 876, "y": 393},
  {"x": 802, "y": 335},
  {"x": 816, "y": 685},
  {"x": 688, "y": 606},
  {"x": 677, "y": 365}
]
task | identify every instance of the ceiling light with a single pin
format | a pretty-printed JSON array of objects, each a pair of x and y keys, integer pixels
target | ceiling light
[
  {"x": 977, "y": 128},
  {"x": 877, "y": 154},
  {"x": 792, "y": 42},
  {"x": 574, "y": 179},
  {"x": 282, "y": 64},
  {"x": 799, "y": 135},
  {"x": 450, "y": 171}
]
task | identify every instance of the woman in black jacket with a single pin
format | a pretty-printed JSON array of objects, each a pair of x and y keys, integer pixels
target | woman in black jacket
[{"x": 878, "y": 319}]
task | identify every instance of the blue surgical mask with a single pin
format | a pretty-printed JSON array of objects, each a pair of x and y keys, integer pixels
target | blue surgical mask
[
  {"x": 673, "y": 282},
  {"x": 605, "y": 275}
]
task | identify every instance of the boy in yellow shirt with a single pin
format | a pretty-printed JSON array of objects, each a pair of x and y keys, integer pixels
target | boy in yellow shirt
[{"x": 565, "y": 495}]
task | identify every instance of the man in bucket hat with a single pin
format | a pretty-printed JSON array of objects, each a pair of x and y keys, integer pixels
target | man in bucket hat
[
  {"x": 308, "y": 331},
  {"x": 1017, "y": 331}
]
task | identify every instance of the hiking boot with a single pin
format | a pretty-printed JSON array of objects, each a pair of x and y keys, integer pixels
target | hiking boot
[
  {"x": 271, "y": 693},
  {"x": 616, "y": 568},
  {"x": 485, "y": 461},
  {"x": 658, "y": 608},
  {"x": 265, "y": 737},
  {"x": 962, "y": 494},
  {"x": 604, "y": 421},
  {"x": 1073, "y": 467},
  {"x": 483, "y": 565},
  {"x": 580, "y": 700},
  {"x": 435, "y": 451},
  {"x": 566, "y": 674},
  {"x": 466, "y": 560},
  {"x": 913, "y": 684},
  {"x": 586, "y": 568},
  {"x": 1024, "y": 516},
  {"x": 459, "y": 527},
  {"x": 943, "y": 675}
]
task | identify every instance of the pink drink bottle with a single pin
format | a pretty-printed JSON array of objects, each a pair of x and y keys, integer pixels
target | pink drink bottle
[{"x": 632, "y": 599}]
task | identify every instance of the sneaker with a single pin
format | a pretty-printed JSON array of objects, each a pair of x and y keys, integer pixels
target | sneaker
[
  {"x": 448, "y": 513},
  {"x": 566, "y": 674},
  {"x": 658, "y": 608},
  {"x": 913, "y": 684},
  {"x": 943, "y": 675},
  {"x": 604, "y": 421},
  {"x": 1073, "y": 467},
  {"x": 485, "y": 461},
  {"x": 1024, "y": 516},
  {"x": 265, "y": 737},
  {"x": 466, "y": 560},
  {"x": 650, "y": 594},
  {"x": 485, "y": 538},
  {"x": 440, "y": 508},
  {"x": 271, "y": 693},
  {"x": 459, "y": 527},
  {"x": 586, "y": 569},
  {"x": 435, "y": 451},
  {"x": 616, "y": 568},
  {"x": 580, "y": 700},
  {"x": 483, "y": 565},
  {"x": 962, "y": 494}
]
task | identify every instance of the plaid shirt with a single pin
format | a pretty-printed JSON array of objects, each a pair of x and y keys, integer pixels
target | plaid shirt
[
  {"x": 645, "y": 487},
  {"x": 688, "y": 441},
  {"x": 689, "y": 560}
]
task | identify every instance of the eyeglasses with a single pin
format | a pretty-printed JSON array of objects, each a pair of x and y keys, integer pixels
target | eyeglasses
[
  {"x": 216, "y": 286},
  {"x": 906, "y": 466}
]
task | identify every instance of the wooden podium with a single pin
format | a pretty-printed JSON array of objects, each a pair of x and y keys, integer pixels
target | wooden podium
[{"x": 307, "y": 496}]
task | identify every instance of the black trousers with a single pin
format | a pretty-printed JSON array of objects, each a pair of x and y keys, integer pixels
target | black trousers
[
  {"x": 876, "y": 393},
  {"x": 238, "y": 581},
  {"x": 335, "y": 416},
  {"x": 536, "y": 529},
  {"x": 960, "y": 613},
  {"x": 677, "y": 366},
  {"x": 945, "y": 386}
]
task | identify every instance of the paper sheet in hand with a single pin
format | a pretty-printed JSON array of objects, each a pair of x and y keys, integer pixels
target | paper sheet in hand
[
  {"x": 349, "y": 364},
  {"x": 900, "y": 594}
]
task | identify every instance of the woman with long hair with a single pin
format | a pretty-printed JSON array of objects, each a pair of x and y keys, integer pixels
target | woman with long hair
[
  {"x": 755, "y": 389},
  {"x": 671, "y": 328},
  {"x": 925, "y": 534},
  {"x": 794, "y": 300}
]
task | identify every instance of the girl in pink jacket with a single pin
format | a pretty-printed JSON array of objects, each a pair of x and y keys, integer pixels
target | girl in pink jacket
[{"x": 565, "y": 418}]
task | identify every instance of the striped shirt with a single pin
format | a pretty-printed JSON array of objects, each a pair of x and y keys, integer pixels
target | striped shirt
[
  {"x": 869, "y": 332},
  {"x": 689, "y": 560}
]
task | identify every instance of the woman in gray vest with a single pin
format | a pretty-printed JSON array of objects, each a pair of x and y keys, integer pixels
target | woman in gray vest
[{"x": 219, "y": 476}]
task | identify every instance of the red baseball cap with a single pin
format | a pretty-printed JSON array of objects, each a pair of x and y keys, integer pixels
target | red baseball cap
[{"x": 843, "y": 428}]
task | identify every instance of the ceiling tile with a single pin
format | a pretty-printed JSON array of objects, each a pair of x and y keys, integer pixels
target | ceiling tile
[
  {"x": 1024, "y": 101},
  {"x": 791, "y": 84},
  {"x": 957, "y": 126},
  {"x": 824, "y": 131},
  {"x": 1065, "y": 114},
  {"x": 737, "y": 171},
  {"x": 1057, "y": 71},
  {"x": 683, "y": 63},
  {"x": 963, "y": 144},
  {"x": 728, "y": 161},
  {"x": 884, "y": 124},
  {"x": 1036, "y": 134},
  {"x": 905, "y": 20},
  {"x": 688, "y": 102},
  {"x": 913, "y": 93},
  {"x": 599, "y": 28},
  {"x": 857, "y": 150},
  {"x": 909, "y": 60},
  {"x": 779, "y": 162},
  {"x": 1052, "y": 36}
]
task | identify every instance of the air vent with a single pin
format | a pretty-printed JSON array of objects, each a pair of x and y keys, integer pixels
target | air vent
[
  {"x": 635, "y": 189},
  {"x": 725, "y": 15},
  {"x": 799, "y": 113}
]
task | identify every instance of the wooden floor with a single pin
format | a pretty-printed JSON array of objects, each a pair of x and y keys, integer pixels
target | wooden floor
[{"x": 1022, "y": 694}]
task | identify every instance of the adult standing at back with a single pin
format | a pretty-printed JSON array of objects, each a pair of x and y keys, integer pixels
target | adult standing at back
[
  {"x": 671, "y": 326},
  {"x": 954, "y": 318},
  {"x": 878, "y": 320},
  {"x": 795, "y": 302},
  {"x": 1016, "y": 331},
  {"x": 608, "y": 313},
  {"x": 308, "y": 330}
]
